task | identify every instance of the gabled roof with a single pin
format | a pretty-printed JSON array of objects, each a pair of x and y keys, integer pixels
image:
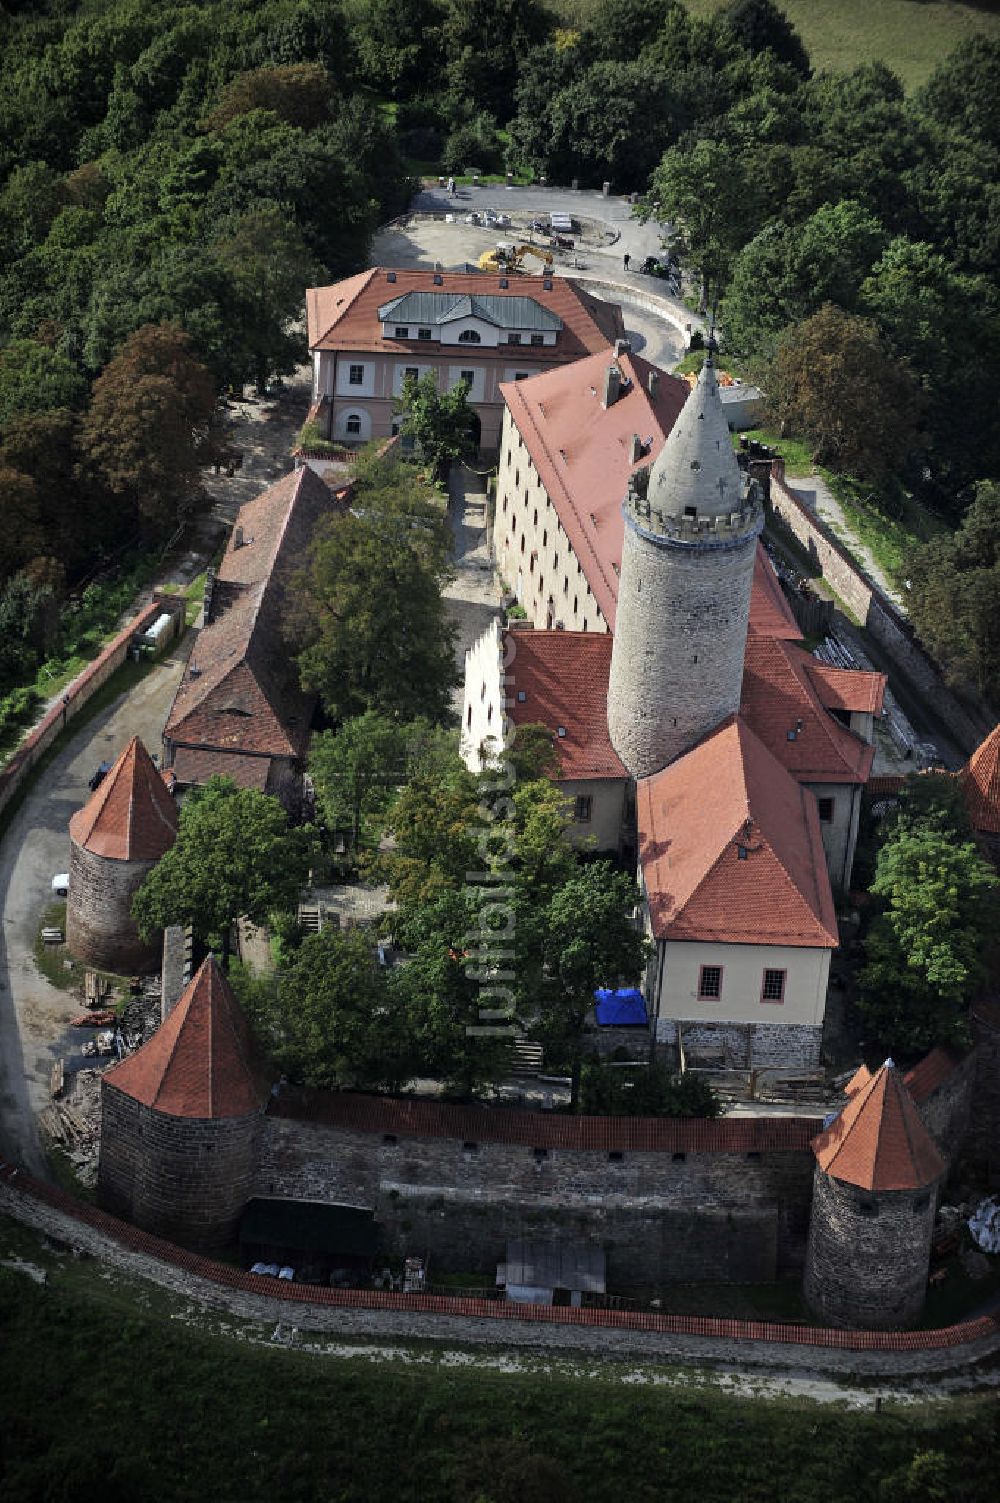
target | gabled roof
[
  {"x": 878, "y": 1141},
  {"x": 439, "y": 308},
  {"x": 727, "y": 795},
  {"x": 980, "y": 778},
  {"x": 200, "y": 1063},
  {"x": 931, "y": 1072},
  {"x": 563, "y": 677},
  {"x": 582, "y": 453},
  {"x": 240, "y": 690},
  {"x": 131, "y": 816},
  {"x": 847, "y": 688},
  {"x": 345, "y": 316},
  {"x": 858, "y": 1080},
  {"x": 782, "y": 704}
]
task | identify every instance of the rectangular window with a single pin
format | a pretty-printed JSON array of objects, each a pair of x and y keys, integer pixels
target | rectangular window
[
  {"x": 401, "y": 332},
  {"x": 356, "y": 375},
  {"x": 825, "y": 810},
  {"x": 411, "y": 373},
  {"x": 710, "y": 982},
  {"x": 423, "y": 333},
  {"x": 469, "y": 377},
  {"x": 513, "y": 339},
  {"x": 520, "y": 375},
  {"x": 538, "y": 338},
  {"x": 773, "y": 989},
  {"x": 583, "y": 807}
]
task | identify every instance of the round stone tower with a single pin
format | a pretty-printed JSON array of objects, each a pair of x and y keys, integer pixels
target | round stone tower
[
  {"x": 691, "y": 529},
  {"x": 180, "y": 1121},
  {"x": 115, "y": 841},
  {"x": 874, "y": 1199}
]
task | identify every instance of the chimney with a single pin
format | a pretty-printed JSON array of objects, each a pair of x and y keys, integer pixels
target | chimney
[
  {"x": 612, "y": 386},
  {"x": 635, "y": 449},
  {"x": 654, "y": 383},
  {"x": 207, "y": 598},
  {"x": 237, "y": 536},
  {"x": 622, "y": 347}
]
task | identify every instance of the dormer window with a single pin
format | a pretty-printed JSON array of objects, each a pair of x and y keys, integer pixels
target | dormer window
[{"x": 470, "y": 336}]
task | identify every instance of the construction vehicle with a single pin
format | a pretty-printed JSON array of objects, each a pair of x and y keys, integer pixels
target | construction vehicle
[{"x": 507, "y": 257}]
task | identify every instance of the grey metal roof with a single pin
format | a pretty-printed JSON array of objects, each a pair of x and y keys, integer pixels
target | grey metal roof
[
  {"x": 554, "y": 1265},
  {"x": 429, "y": 308}
]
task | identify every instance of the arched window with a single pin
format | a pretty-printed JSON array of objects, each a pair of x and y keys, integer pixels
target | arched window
[
  {"x": 353, "y": 424},
  {"x": 470, "y": 336}
]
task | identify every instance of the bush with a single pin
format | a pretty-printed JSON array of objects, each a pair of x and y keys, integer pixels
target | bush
[
  {"x": 646, "y": 1091},
  {"x": 423, "y": 142},
  {"x": 474, "y": 144}
]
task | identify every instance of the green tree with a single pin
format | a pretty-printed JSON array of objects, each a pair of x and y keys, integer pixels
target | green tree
[
  {"x": 954, "y": 597},
  {"x": 441, "y": 423},
  {"x": 357, "y": 770},
  {"x": 590, "y": 940},
  {"x": 761, "y": 26},
  {"x": 300, "y": 94},
  {"x": 376, "y": 629},
  {"x": 704, "y": 192},
  {"x": 330, "y": 1020},
  {"x": 609, "y": 1091},
  {"x": 149, "y": 429},
  {"x": 235, "y": 856},
  {"x": 434, "y": 991},
  {"x": 265, "y": 267},
  {"x": 34, "y": 378},
  {"x": 833, "y": 384}
]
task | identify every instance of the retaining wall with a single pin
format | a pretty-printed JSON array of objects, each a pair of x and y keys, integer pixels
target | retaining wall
[
  {"x": 381, "y": 1315},
  {"x": 875, "y": 611},
  {"x": 83, "y": 688}
]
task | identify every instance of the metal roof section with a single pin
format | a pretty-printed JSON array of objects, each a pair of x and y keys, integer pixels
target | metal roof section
[{"x": 438, "y": 308}]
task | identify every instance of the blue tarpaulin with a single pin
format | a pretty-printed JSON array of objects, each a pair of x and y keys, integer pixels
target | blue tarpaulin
[{"x": 624, "y": 1008}]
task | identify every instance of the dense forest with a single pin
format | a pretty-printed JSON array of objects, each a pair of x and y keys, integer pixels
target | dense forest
[{"x": 172, "y": 175}]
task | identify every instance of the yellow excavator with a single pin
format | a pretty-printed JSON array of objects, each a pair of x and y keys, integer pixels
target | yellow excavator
[{"x": 507, "y": 257}]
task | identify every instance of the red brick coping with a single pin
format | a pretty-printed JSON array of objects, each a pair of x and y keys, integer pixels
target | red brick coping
[
  {"x": 478, "y": 1309},
  {"x": 416, "y": 1118}
]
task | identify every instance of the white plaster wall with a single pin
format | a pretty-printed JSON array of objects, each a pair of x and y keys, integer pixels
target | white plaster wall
[
  {"x": 477, "y": 391},
  {"x": 399, "y": 370},
  {"x": 482, "y": 706},
  {"x": 603, "y": 831},
  {"x": 840, "y": 835},
  {"x": 343, "y": 416},
  {"x": 489, "y": 334},
  {"x": 679, "y": 966},
  {"x": 345, "y": 388}
]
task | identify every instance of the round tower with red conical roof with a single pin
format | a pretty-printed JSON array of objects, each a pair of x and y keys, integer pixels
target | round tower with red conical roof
[
  {"x": 128, "y": 823},
  {"x": 180, "y": 1120},
  {"x": 874, "y": 1200}
]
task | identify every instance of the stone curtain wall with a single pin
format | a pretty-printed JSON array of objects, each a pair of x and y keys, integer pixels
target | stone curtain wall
[
  {"x": 81, "y": 690},
  {"x": 741, "y": 1046},
  {"x": 188, "y": 1179},
  {"x": 661, "y": 1216},
  {"x": 891, "y": 630},
  {"x": 946, "y": 1111},
  {"x": 868, "y": 1253},
  {"x": 375, "y": 1314}
]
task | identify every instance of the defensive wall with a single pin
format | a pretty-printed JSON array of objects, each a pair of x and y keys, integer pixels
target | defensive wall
[
  {"x": 82, "y": 689},
  {"x": 379, "y": 1315},
  {"x": 889, "y": 628}
]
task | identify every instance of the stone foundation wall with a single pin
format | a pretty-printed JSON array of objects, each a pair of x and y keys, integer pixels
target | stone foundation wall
[
  {"x": 868, "y": 1267},
  {"x": 741, "y": 1046},
  {"x": 187, "y": 1179},
  {"x": 662, "y": 1217},
  {"x": 100, "y": 929},
  {"x": 946, "y": 1111}
]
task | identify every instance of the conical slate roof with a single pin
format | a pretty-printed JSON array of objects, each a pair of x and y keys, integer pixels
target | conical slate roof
[
  {"x": 980, "y": 779},
  {"x": 200, "y": 1063},
  {"x": 878, "y": 1141},
  {"x": 697, "y": 466},
  {"x": 131, "y": 816}
]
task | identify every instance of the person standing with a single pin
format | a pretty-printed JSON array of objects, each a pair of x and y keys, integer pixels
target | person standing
[{"x": 627, "y": 259}]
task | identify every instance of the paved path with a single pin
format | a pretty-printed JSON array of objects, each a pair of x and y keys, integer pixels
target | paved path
[
  {"x": 817, "y": 495},
  {"x": 33, "y": 1013},
  {"x": 472, "y": 597}
]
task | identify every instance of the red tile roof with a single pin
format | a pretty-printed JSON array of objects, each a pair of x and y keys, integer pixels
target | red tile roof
[
  {"x": 878, "y": 1141},
  {"x": 344, "y": 316},
  {"x": 414, "y": 1117},
  {"x": 770, "y": 612},
  {"x": 780, "y": 695},
  {"x": 192, "y": 765},
  {"x": 240, "y": 691},
  {"x": 981, "y": 784},
  {"x": 581, "y": 451},
  {"x": 200, "y": 1063},
  {"x": 563, "y": 678},
  {"x": 931, "y": 1072},
  {"x": 730, "y": 793},
  {"x": 847, "y": 688},
  {"x": 858, "y": 1080},
  {"x": 131, "y": 816}
]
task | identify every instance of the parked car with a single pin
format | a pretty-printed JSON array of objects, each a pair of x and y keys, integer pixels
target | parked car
[
  {"x": 494, "y": 219},
  {"x": 99, "y": 776},
  {"x": 60, "y": 885}
]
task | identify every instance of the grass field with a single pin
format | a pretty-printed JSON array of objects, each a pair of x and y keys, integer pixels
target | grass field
[
  {"x": 912, "y": 36},
  {"x": 111, "y": 1392}
]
